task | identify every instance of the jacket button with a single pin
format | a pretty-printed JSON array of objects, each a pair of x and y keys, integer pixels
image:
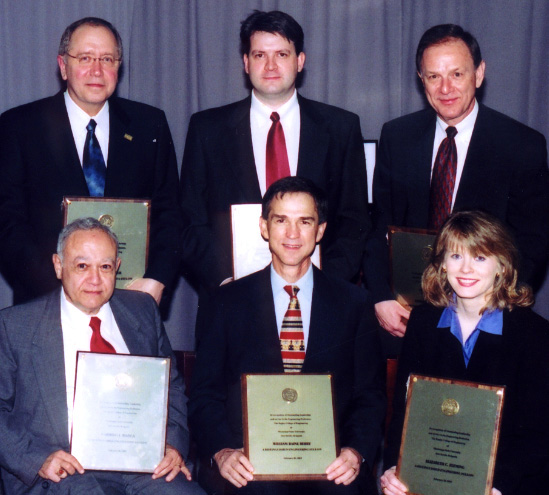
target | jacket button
[{"x": 45, "y": 485}]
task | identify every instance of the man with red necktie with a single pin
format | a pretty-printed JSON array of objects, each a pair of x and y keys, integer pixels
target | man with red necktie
[
  {"x": 455, "y": 155},
  {"x": 288, "y": 317},
  {"x": 235, "y": 152},
  {"x": 39, "y": 341}
]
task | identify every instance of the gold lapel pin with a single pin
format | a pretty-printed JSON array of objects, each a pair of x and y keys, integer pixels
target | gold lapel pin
[{"x": 128, "y": 137}]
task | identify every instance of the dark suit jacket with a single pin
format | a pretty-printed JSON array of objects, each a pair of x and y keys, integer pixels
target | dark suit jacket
[
  {"x": 39, "y": 165},
  {"x": 241, "y": 336},
  {"x": 505, "y": 173},
  {"x": 33, "y": 400},
  {"x": 219, "y": 170},
  {"x": 516, "y": 359}
]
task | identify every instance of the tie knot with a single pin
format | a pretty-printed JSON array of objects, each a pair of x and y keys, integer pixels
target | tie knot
[
  {"x": 292, "y": 290},
  {"x": 95, "y": 324},
  {"x": 91, "y": 125},
  {"x": 275, "y": 117},
  {"x": 451, "y": 132}
]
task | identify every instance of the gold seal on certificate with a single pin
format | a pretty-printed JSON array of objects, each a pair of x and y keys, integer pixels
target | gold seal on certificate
[
  {"x": 289, "y": 427},
  {"x": 120, "y": 411},
  {"x": 128, "y": 219},
  {"x": 450, "y": 436},
  {"x": 410, "y": 252}
]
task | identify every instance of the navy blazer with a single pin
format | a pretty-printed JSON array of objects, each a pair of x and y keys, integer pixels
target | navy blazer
[
  {"x": 241, "y": 336},
  {"x": 505, "y": 174},
  {"x": 219, "y": 170},
  {"x": 33, "y": 397},
  {"x": 39, "y": 165},
  {"x": 516, "y": 359}
]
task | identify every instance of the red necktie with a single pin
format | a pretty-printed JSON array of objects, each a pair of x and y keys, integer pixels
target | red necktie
[
  {"x": 98, "y": 343},
  {"x": 443, "y": 181},
  {"x": 292, "y": 339},
  {"x": 276, "y": 165}
]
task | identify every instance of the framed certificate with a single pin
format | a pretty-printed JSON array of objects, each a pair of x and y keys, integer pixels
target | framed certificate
[
  {"x": 289, "y": 425},
  {"x": 120, "y": 411},
  {"x": 129, "y": 219},
  {"x": 409, "y": 252},
  {"x": 250, "y": 251},
  {"x": 450, "y": 436}
]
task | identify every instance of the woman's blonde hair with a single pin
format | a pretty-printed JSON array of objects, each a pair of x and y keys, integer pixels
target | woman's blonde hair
[{"x": 480, "y": 234}]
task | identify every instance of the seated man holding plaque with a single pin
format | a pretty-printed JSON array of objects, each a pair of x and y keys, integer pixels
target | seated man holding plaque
[
  {"x": 478, "y": 328},
  {"x": 245, "y": 332},
  {"x": 39, "y": 341}
]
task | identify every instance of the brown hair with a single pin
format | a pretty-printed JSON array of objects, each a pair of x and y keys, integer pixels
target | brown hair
[{"x": 479, "y": 234}]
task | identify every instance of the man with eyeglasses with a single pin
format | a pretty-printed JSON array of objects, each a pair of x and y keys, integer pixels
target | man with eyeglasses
[{"x": 84, "y": 142}]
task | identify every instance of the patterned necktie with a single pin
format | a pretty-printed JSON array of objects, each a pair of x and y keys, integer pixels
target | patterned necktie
[
  {"x": 97, "y": 342},
  {"x": 277, "y": 165},
  {"x": 443, "y": 181},
  {"x": 93, "y": 163},
  {"x": 292, "y": 339}
]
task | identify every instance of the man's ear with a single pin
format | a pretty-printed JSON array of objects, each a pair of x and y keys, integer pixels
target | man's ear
[
  {"x": 62, "y": 67},
  {"x": 118, "y": 261},
  {"x": 320, "y": 232},
  {"x": 57, "y": 265},
  {"x": 245, "y": 60},
  {"x": 263, "y": 228}
]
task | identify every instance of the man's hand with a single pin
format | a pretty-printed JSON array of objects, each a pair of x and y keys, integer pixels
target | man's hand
[
  {"x": 391, "y": 485},
  {"x": 234, "y": 466},
  {"x": 390, "y": 315},
  {"x": 346, "y": 467},
  {"x": 59, "y": 465},
  {"x": 171, "y": 465},
  {"x": 148, "y": 285}
]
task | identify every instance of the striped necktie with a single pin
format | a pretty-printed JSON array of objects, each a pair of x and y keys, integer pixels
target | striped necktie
[{"x": 292, "y": 339}]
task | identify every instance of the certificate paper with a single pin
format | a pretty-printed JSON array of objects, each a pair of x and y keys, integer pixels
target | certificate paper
[
  {"x": 450, "y": 437},
  {"x": 120, "y": 411},
  {"x": 289, "y": 425}
]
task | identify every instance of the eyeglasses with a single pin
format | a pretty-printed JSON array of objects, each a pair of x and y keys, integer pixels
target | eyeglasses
[{"x": 85, "y": 60}]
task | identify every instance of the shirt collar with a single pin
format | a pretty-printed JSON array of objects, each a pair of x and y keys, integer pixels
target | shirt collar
[
  {"x": 265, "y": 111},
  {"x": 466, "y": 125},
  {"x": 305, "y": 283},
  {"x": 79, "y": 116},
  {"x": 76, "y": 315},
  {"x": 490, "y": 322}
]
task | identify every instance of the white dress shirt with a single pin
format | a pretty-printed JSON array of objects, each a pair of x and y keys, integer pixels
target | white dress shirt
[
  {"x": 304, "y": 296},
  {"x": 80, "y": 119},
  {"x": 77, "y": 333},
  {"x": 260, "y": 123},
  {"x": 462, "y": 139}
]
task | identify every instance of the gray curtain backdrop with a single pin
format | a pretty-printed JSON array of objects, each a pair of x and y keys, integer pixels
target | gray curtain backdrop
[{"x": 183, "y": 56}]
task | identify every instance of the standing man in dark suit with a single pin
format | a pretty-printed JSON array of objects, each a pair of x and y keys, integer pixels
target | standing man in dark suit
[
  {"x": 38, "y": 345},
  {"x": 43, "y": 158},
  {"x": 244, "y": 333},
  {"x": 228, "y": 154},
  {"x": 501, "y": 166}
]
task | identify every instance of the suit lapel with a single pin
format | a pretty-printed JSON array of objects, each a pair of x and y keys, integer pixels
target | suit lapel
[
  {"x": 119, "y": 148},
  {"x": 321, "y": 336},
  {"x": 48, "y": 360},
  {"x": 419, "y": 171},
  {"x": 238, "y": 147},
  {"x": 263, "y": 310},
  {"x": 130, "y": 327},
  {"x": 59, "y": 136},
  {"x": 481, "y": 157},
  {"x": 313, "y": 142}
]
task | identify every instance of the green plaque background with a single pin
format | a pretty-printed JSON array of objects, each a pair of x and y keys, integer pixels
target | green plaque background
[
  {"x": 443, "y": 454},
  {"x": 410, "y": 250},
  {"x": 290, "y": 439},
  {"x": 131, "y": 225}
]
